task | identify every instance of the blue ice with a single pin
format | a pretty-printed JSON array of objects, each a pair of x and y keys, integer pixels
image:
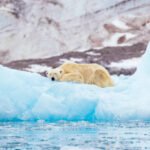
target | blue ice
[{"x": 28, "y": 96}]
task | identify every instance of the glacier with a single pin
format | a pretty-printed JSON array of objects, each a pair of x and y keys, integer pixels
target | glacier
[{"x": 28, "y": 96}]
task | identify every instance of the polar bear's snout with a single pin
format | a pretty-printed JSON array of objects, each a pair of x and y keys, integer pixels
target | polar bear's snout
[{"x": 52, "y": 78}]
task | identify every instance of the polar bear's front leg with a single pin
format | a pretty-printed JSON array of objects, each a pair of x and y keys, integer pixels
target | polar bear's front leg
[{"x": 74, "y": 77}]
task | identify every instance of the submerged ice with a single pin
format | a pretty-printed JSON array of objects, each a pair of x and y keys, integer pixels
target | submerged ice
[{"x": 29, "y": 97}]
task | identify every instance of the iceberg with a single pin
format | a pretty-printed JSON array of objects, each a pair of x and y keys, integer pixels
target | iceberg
[{"x": 28, "y": 96}]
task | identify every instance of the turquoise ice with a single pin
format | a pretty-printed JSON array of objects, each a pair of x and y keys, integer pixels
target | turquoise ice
[{"x": 30, "y": 97}]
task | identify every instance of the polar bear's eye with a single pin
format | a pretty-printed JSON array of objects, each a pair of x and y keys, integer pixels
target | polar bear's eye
[{"x": 60, "y": 71}]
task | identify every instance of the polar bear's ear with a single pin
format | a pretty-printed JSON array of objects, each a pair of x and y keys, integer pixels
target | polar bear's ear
[{"x": 61, "y": 71}]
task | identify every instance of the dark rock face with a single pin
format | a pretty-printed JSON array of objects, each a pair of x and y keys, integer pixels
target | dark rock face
[{"x": 103, "y": 56}]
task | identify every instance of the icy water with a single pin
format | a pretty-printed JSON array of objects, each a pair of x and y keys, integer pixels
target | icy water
[{"x": 75, "y": 136}]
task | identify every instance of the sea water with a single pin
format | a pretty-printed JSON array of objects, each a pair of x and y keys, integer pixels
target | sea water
[
  {"x": 27, "y": 99},
  {"x": 75, "y": 136}
]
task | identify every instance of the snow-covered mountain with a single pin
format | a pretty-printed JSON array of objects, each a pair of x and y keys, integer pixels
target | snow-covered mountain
[{"x": 45, "y": 28}]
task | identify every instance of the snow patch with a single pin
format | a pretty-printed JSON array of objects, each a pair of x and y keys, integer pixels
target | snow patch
[
  {"x": 126, "y": 64},
  {"x": 93, "y": 53},
  {"x": 65, "y": 60},
  {"x": 120, "y": 24},
  {"x": 76, "y": 59},
  {"x": 38, "y": 68}
]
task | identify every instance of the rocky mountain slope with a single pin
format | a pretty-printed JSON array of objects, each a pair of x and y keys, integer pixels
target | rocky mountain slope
[
  {"x": 118, "y": 60},
  {"x": 32, "y": 29}
]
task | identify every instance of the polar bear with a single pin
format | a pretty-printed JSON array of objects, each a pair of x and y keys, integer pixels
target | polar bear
[{"x": 82, "y": 73}]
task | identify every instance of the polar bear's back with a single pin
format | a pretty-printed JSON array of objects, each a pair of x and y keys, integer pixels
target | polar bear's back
[{"x": 73, "y": 67}]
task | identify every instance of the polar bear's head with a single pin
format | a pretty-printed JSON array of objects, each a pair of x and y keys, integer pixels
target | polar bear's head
[{"x": 55, "y": 74}]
